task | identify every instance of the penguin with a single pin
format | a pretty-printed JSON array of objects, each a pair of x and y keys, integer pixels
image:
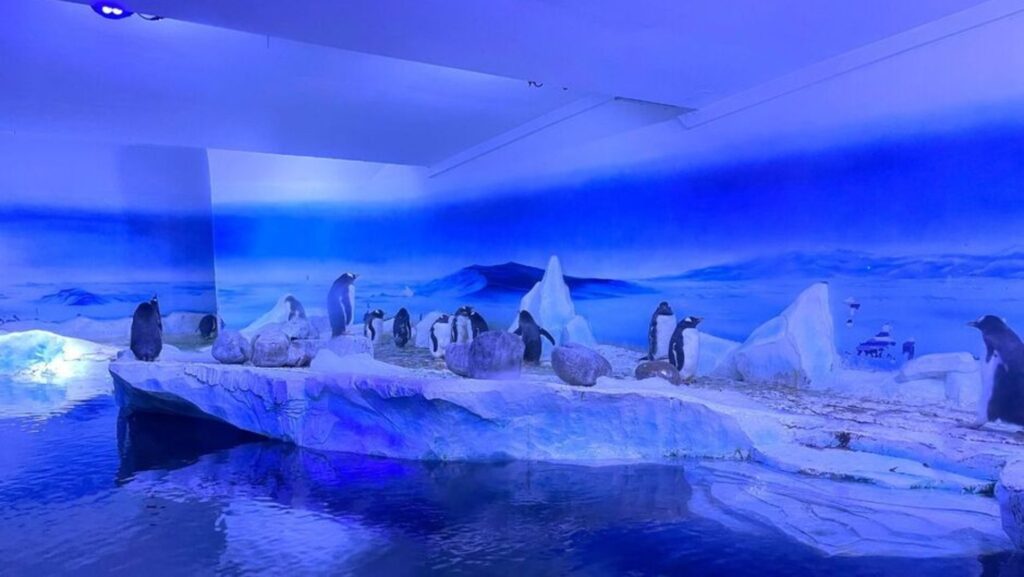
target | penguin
[
  {"x": 147, "y": 331},
  {"x": 373, "y": 325},
  {"x": 208, "y": 327},
  {"x": 341, "y": 303},
  {"x": 659, "y": 333},
  {"x": 401, "y": 327},
  {"x": 477, "y": 322},
  {"x": 531, "y": 334},
  {"x": 684, "y": 348},
  {"x": 462, "y": 326},
  {"x": 909, "y": 349},
  {"x": 295, "y": 308},
  {"x": 1002, "y": 391},
  {"x": 440, "y": 335}
]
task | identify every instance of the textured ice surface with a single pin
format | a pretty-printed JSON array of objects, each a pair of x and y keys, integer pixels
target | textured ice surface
[
  {"x": 796, "y": 348},
  {"x": 43, "y": 356},
  {"x": 550, "y": 304}
]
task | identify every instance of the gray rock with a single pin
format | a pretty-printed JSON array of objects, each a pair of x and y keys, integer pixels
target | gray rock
[
  {"x": 661, "y": 369},
  {"x": 456, "y": 358},
  {"x": 270, "y": 348},
  {"x": 579, "y": 365},
  {"x": 301, "y": 352},
  {"x": 231, "y": 348},
  {"x": 1010, "y": 494},
  {"x": 343, "y": 345},
  {"x": 300, "y": 328},
  {"x": 491, "y": 355}
]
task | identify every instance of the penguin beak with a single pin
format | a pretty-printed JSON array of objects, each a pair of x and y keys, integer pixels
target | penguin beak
[{"x": 973, "y": 324}]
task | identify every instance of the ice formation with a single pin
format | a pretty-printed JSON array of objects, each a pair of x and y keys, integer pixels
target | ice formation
[
  {"x": 39, "y": 355},
  {"x": 177, "y": 325},
  {"x": 551, "y": 305},
  {"x": 279, "y": 314},
  {"x": 796, "y": 348}
]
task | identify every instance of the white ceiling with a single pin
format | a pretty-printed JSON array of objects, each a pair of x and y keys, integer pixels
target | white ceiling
[{"x": 435, "y": 83}]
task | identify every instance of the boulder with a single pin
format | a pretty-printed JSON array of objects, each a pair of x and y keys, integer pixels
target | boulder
[
  {"x": 456, "y": 358},
  {"x": 579, "y": 365},
  {"x": 270, "y": 348},
  {"x": 659, "y": 369},
  {"x": 343, "y": 345},
  {"x": 796, "y": 348},
  {"x": 300, "y": 328},
  {"x": 231, "y": 348},
  {"x": 491, "y": 355},
  {"x": 1010, "y": 494}
]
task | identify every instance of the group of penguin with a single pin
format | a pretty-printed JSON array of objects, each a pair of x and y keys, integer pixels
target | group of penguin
[{"x": 679, "y": 342}]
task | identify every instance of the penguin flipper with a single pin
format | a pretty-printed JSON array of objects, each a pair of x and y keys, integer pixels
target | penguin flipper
[
  {"x": 548, "y": 335},
  {"x": 433, "y": 340},
  {"x": 518, "y": 331}
]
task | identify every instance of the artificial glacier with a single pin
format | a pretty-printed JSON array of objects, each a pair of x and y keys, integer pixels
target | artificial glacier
[{"x": 550, "y": 304}]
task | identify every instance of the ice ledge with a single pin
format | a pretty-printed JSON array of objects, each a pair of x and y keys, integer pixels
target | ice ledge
[{"x": 420, "y": 417}]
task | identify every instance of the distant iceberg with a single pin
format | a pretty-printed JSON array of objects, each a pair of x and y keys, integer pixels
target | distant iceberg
[{"x": 550, "y": 303}]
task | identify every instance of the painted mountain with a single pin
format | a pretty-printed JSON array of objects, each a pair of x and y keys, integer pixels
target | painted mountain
[
  {"x": 515, "y": 279},
  {"x": 1009, "y": 265}
]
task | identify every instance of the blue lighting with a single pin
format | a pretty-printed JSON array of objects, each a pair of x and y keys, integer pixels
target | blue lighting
[{"x": 111, "y": 10}]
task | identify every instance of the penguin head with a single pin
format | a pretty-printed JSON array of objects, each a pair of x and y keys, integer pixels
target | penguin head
[
  {"x": 525, "y": 317},
  {"x": 989, "y": 324},
  {"x": 692, "y": 322},
  {"x": 664, "y": 309},
  {"x": 348, "y": 277},
  {"x": 464, "y": 310}
]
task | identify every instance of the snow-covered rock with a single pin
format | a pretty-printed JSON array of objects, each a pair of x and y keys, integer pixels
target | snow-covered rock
[
  {"x": 280, "y": 314},
  {"x": 550, "y": 304},
  {"x": 578, "y": 365},
  {"x": 958, "y": 375},
  {"x": 658, "y": 369},
  {"x": 422, "y": 329},
  {"x": 491, "y": 355},
  {"x": 1010, "y": 494},
  {"x": 40, "y": 355},
  {"x": 231, "y": 348},
  {"x": 352, "y": 344},
  {"x": 796, "y": 348}
]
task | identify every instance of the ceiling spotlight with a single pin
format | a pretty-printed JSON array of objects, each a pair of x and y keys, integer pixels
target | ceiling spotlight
[{"x": 111, "y": 10}]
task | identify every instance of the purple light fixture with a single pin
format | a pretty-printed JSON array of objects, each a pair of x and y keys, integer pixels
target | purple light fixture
[{"x": 111, "y": 10}]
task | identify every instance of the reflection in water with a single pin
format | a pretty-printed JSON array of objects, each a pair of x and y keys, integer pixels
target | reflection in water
[{"x": 176, "y": 496}]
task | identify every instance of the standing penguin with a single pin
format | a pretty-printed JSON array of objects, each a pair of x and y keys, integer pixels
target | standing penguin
[
  {"x": 1002, "y": 391},
  {"x": 478, "y": 323},
  {"x": 684, "y": 348},
  {"x": 147, "y": 331},
  {"x": 341, "y": 303},
  {"x": 373, "y": 325},
  {"x": 440, "y": 335},
  {"x": 208, "y": 327},
  {"x": 402, "y": 328},
  {"x": 531, "y": 334},
  {"x": 659, "y": 333},
  {"x": 462, "y": 326},
  {"x": 295, "y": 308}
]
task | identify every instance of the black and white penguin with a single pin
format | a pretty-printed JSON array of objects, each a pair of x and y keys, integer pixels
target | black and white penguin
[
  {"x": 208, "y": 327},
  {"x": 659, "y": 333},
  {"x": 1002, "y": 391},
  {"x": 440, "y": 335},
  {"x": 401, "y": 327},
  {"x": 147, "y": 331},
  {"x": 478, "y": 323},
  {"x": 341, "y": 303},
  {"x": 531, "y": 334},
  {"x": 909, "y": 349},
  {"x": 295, "y": 308},
  {"x": 462, "y": 326},
  {"x": 684, "y": 347},
  {"x": 373, "y": 325}
]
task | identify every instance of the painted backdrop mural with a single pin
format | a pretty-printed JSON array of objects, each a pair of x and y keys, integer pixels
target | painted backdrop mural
[
  {"x": 916, "y": 233},
  {"x": 90, "y": 230}
]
